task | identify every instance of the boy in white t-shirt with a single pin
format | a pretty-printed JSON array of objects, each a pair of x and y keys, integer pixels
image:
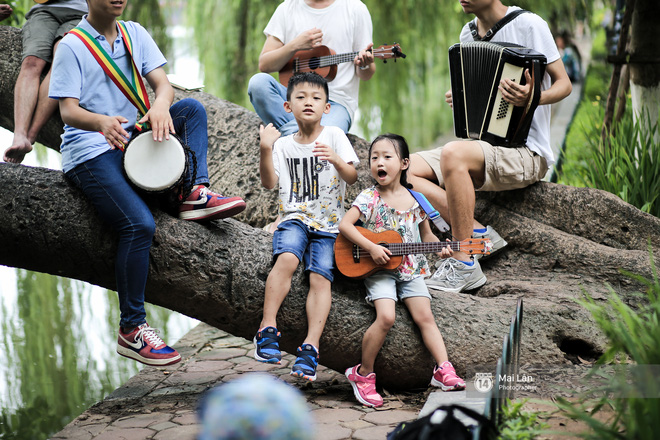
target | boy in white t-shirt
[{"x": 312, "y": 166}]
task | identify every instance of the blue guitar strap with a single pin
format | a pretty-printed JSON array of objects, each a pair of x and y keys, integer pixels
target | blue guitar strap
[{"x": 433, "y": 214}]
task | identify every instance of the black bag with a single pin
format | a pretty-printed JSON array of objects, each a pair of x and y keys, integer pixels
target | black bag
[{"x": 447, "y": 427}]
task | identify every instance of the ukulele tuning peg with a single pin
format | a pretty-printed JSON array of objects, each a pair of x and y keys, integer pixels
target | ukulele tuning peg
[{"x": 397, "y": 51}]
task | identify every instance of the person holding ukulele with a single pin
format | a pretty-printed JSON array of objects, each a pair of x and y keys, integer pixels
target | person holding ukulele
[
  {"x": 389, "y": 205},
  {"x": 341, "y": 25}
]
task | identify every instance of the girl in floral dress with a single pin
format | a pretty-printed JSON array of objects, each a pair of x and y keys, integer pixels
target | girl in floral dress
[{"x": 389, "y": 205}]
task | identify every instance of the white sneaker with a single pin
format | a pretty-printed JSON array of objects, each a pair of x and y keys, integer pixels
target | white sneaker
[
  {"x": 455, "y": 276},
  {"x": 495, "y": 238}
]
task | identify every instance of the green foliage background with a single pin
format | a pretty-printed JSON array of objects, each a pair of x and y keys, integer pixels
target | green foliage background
[{"x": 405, "y": 97}]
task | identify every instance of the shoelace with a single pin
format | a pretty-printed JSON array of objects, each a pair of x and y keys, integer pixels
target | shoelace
[
  {"x": 447, "y": 270},
  {"x": 203, "y": 191},
  {"x": 150, "y": 334}
]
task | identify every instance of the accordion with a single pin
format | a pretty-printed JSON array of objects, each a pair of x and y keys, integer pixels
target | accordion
[{"x": 480, "y": 112}]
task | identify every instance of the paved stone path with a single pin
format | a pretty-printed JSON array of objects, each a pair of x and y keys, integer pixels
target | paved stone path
[{"x": 161, "y": 403}]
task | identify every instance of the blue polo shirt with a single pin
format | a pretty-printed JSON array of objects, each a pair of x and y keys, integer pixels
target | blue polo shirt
[{"x": 77, "y": 74}]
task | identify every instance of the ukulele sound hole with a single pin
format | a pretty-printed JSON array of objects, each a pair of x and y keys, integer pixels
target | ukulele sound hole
[{"x": 314, "y": 63}]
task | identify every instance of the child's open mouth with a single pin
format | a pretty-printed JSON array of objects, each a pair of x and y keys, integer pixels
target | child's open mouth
[{"x": 382, "y": 173}]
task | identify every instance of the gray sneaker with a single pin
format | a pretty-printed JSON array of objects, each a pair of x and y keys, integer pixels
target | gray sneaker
[
  {"x": 455, "y": 276},
  {"x": 495, "y": 238}
]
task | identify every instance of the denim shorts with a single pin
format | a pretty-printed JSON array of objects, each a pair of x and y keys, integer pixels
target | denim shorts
[
  {"x": 316, "y": 249},
  {"x": 385, "y": 285}
]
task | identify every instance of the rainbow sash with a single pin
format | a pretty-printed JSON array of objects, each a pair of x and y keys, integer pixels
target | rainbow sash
[{"x": 134, "y": 89}]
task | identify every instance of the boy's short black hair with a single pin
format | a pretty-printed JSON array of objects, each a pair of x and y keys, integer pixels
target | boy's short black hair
[{"x": 312, "y": 78}]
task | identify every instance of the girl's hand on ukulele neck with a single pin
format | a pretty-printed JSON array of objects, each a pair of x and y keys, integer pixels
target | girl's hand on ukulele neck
[{"x": 446, "y": 251}]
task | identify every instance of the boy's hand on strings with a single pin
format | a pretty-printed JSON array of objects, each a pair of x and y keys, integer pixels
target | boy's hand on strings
[
  {"x": 380, "y": 255},
  {"x": 268, "y": 135},
  {"x": 114, "y": 132},
  {"x": 160, "y": 120},
  {"x": 325, "y": 152}
]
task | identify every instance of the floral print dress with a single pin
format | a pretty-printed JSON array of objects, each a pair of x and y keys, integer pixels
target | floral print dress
[{"x": 378, "y": 216}]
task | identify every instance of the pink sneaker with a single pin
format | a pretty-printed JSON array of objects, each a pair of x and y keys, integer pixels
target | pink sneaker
[
  {"x": 364, "y": 388},
  {"x": 445, "y": 377},
  {"x": 203, "y": 204},
  {"x": 144, "y": 345}
]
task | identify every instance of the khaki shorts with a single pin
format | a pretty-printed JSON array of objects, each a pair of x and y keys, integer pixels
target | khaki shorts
[
  {"x": 506, "y": 168},
  {"x": 44, "y": 26}
]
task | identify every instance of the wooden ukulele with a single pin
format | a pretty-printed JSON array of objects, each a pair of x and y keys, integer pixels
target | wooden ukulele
[
  {"x": 355, "y": 262},
  {"x": 324, "y": 60}
]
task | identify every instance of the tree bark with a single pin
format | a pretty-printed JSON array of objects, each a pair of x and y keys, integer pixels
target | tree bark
[
  {"x": 561, "y": 240},
  {"x": 645, "y": 61},
  {"x": 615, "y": 80}
]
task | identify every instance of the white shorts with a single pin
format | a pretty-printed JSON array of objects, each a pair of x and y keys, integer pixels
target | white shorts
[{"x": 385, "y": 285}]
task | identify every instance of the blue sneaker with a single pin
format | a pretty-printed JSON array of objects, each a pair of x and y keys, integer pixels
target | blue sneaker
[
  {"x": 267, "y": 346},
  {"x": 306, "y": 362}
]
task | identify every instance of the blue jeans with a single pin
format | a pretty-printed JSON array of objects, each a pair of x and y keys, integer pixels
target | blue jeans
[
  {"x": 102, "y": 181},
  {"x": 316, "y": 249},
  {"x": 268, "y": 96},
  {"x": 190, "y": 124}
]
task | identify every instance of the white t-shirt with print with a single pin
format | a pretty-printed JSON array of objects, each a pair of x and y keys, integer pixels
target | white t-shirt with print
[
  {"x": 378, "y": 216},
  {"x": 346, "y": 27},
  {"x": 312, "y": 190},
  {"x": 530, "y": 30}
]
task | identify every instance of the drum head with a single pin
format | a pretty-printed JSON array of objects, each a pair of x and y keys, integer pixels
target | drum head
[{"x": 154, "y": 166}]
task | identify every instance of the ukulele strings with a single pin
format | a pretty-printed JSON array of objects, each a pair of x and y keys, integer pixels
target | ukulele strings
[
  {"x": 336, "y": 59},
  {"x": 397, "y": 247}
]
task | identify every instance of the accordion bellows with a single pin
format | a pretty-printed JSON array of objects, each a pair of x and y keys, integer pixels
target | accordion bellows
[{"x": 480, "y": 112}]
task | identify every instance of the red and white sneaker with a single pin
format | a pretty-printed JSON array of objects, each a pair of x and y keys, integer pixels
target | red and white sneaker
[
  {"x": 364, "y": 387},
  {"x": 445, "y": 377},
  {"x": 204, "y": 204},
  {"x": 144, "y": 345}
]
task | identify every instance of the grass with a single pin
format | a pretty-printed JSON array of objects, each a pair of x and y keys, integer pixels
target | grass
[
  {"x": 628, "y": 368},
  {"x": 627, "y": 162}
]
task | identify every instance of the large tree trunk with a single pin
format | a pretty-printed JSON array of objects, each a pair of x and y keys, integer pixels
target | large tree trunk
[
  {"x": 645, "y": 59},
  {"x": 561, "y": 240}
]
